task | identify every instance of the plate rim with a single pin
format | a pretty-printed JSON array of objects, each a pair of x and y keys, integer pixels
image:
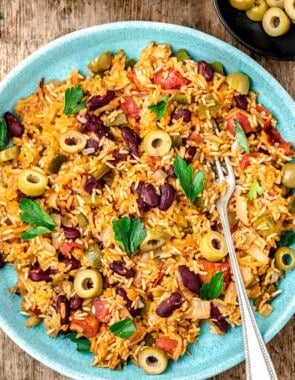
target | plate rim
[{"x": 168, "y": 27}]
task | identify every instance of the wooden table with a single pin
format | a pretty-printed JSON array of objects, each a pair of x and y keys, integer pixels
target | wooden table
[{"x": 27, "y": 25}]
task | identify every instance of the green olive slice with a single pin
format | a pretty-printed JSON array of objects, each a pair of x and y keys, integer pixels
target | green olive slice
[
  {"x": 157, "y": 143},
  {"x": 288, "y": 178},
  {"x": 275, "y": 3},
  {"x": 289, "y": 6},
  {"x": 285, "y": 258},
  {"x": 31, "y": 182},
  {"x": 275, "y": 22},
  {"x": 213, "y": 246},
  {"x": 88, "y": 283},
  {"x": 152, "y": 360},
  {"x": 101, "y": 63}
]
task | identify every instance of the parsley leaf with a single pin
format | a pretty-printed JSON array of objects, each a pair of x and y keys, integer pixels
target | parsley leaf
[
  {"x": 3, "y": 133},
  {"x": 34, "y": 231},
  {"x": 191, "y": 183},
  {"x": 1, "y": 16},
  {"x": 83, "y": 344},
  {"x": 124, "y": 328},
  {"x": 73, "y": 97},
  {"x": 255, "y": 190},
  {"x": 213, "y": 288},
  {"x": 31, "y": 212},
  {"x": 241, "y": 136},
  {"x": 129, "y": 232},
  {"x": 287, "y": 238},
  {"x": 160, "y": 108}
]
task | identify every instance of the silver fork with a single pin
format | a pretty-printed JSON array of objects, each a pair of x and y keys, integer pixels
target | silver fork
[{"x": 258, "y": 362}]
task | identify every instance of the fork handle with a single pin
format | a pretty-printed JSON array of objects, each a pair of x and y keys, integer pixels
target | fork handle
[{"x": 258, "y": 362}]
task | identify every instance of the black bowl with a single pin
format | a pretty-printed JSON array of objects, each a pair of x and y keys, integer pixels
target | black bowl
[{"x": 252, "y": 35}]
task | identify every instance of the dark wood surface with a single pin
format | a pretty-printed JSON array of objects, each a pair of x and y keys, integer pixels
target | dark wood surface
[{"x": 28, "y": 25}]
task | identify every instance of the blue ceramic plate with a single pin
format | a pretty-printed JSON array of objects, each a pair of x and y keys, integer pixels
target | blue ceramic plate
[{"x": 213, "y": 354}]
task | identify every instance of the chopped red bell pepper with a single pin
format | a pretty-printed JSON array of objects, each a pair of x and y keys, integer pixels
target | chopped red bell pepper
[
  {"x": 242, "y": 117},
  {"x": 130, "y": 107},
  {"x": 101, "y": 311},
  {"x": 66, "y": 247},
  {"x": 166, "y": 344},
  {"x": 170, "y": 79},
  {"x": 88, "y": 327},
  {"x": 211, "y": 268}
]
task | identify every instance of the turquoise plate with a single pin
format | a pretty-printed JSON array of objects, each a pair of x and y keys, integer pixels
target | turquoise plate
[{"x": 213, "y": 354}]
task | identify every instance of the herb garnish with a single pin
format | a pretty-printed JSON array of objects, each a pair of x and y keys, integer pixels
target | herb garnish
[
  {"x": 241, "y": 136},
  {"x": 287, "y": 238},
  {"x": 3, "y": 133},
  {"x": 160, "y": 108},
  {"x": 83, "y": 344},
  {"x": 255, "y": 190},
  {"x": 31, "y": 212},
  {"x": 129, "y": 232},
  {"x": 191, "y": 183},
  {"x": 1, "y": 16},
  {"x": 213, "y": 288},
  {"x": 124, "y": 328},
  {"x": 73, "y": 97}
]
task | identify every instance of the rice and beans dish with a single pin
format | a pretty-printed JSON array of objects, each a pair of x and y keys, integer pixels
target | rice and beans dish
[{"x": 107, "y": 204}]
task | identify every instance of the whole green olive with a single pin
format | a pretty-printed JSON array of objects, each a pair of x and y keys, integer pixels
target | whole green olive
[
  {"x": 288, "y": 178},
  {"x": 256, "y": 12},
  {"x": 242, "y": 5}
]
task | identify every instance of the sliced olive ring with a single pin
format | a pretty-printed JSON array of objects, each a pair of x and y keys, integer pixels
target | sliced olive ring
[
  {"x": 88, "y": 283},
  {"x": 155, "y": 239},
  {"x": 275, "y": 22},
  {"x": 276, "y": 3},
  {"x": 72, "y": 141},
  {"x": 239, "y": 82},
  {"x": 157, "y": 143},
  {"x": 152, "y": 360},
  {"x": 32, "y": 183},
  {"x": 285, "y": 258},
  {"x": 213, "y": 246},
  {"x": 289, "y": 6},
  {"x": 288, "y": 178}
]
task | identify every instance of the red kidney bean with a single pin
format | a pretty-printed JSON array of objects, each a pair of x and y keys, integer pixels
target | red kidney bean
[
  {"x": 15, "y": 128},
  {"x": 171, "y": 172},
  {"x": 75, "y": 302},
  {"x": 119, "y": 267},
  {"x": 2, "y": 262},
  {"x": 37, "y": 274},
  {"x": 131, "y": 139},
  {"x": 118, "y": 157},
  {"x": 206, "y": 70},
  {"x": 93, "y": 123},
  {"x": 98, "y": 101},
  {"x": 90, "y": 184},
  {"x": 144, "y": 207},
  {"x": 183, "y": 113},
  {"x": 71, "y": 232},
  {"x": 190, "y": 152},
  {"x": 92, "y": 144},
  {"x": 149, "y": 195},
  {"x": 218, "y": 318},
  {"x": 128, "y": 303},
  {"x": 166, "y": 307},
  {"x": 74, "y": 263},
  {"x": 241, "y": 101},
  {"x": 136, "y": 189},
  {"x": 62, "y": 307},
  {"x": 190, "y": 279},
  {"x": 167, "y": 196}
]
